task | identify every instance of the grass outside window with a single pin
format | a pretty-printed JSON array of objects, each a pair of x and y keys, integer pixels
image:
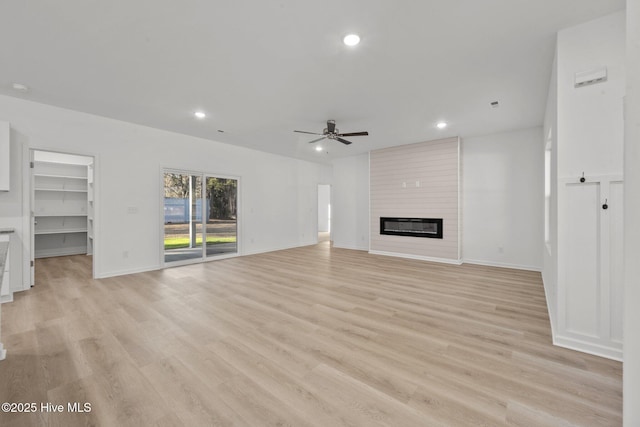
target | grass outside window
[{"x": 184, "y": 241}]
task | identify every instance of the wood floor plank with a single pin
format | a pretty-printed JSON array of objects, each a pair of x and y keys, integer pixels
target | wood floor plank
[
  {"x": 309, "y": 336},
  {"x": 189, "y": 397}
]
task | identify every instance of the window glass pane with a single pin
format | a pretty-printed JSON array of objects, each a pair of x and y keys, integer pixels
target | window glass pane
[
  {"x": 182, "y": 217},
  {"x": 221, "y": 216}
]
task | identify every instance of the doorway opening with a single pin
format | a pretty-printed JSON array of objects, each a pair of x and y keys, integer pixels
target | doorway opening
[
  {"x": 62, "y": 206},
  {"x": 200, "y": 214},
  {"x": 324, "y": 213}
]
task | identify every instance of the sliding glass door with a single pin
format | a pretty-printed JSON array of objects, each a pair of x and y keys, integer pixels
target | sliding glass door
[{"x": 200, "y": 216}]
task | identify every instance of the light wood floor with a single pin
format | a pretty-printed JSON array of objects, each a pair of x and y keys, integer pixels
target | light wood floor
[{"x": 305, "y": 337}]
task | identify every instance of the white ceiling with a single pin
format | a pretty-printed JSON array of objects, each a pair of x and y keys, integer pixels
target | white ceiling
[{"x": 261, "y": 69}]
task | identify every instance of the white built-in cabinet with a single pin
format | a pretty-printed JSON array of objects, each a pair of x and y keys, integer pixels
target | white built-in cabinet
[
  {"x": 63, "y": 209},
  {"x": 590, "y": 270},
  {"x": 5, "y": 155}
]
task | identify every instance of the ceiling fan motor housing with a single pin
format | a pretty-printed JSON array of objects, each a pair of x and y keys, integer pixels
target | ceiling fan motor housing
[{"x": 331, "y": 132}]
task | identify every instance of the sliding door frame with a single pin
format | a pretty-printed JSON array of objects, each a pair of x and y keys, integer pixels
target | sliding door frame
[{"x": 204, "y": 176}]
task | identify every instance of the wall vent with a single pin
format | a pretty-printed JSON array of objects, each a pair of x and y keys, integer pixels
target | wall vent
[{"x": 591, "y": 77}]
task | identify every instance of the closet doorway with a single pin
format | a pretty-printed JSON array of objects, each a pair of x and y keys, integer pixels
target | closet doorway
[
  {"x": 62, "y": 205},
  {"x": 324, "y": 213}
]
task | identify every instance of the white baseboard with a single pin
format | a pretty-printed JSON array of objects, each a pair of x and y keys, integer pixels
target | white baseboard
[
  {"x": 351, "y": 247},
  {"x": 549, "y": 311},
  {"x": 277, "y": 248},
  {"x": 418, "y": 257},
  {"x": 107, "y": 274},
  {"x": 127, "y": 271},
  {"x": 502, "y": 265},
  {"x": 589, "y": 348}
]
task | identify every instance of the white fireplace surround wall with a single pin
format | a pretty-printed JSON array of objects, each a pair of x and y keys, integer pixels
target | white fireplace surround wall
[{"x": 417, "y": 181}]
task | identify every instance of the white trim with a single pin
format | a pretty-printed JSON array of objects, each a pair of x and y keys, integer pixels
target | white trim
[
  {"x": 369, "y": 200},
  {"x": 128, "y": 271},
  {"x": 193, "y": 262},
  {"x": 27, "y": 221},
  {"x": 460, "y": 201},
  {"x": 278, "y": 248},
  {"x": 549, "y": 311},
  {"x": 591, "y": 178},
  {"x": 3, "y": 352},
  {"x": 502, "y": 265},
  {"x": 589, "y": 348},
  {"x": 351, "y": 247},
  {"x": 418, "y": 257}
]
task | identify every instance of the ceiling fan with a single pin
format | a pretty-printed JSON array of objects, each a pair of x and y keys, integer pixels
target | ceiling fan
[{"x": 330, "y": 132}]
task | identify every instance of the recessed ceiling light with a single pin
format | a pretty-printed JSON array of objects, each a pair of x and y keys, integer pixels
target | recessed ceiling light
[
  {"x": 495, "y": 104},
  {"x": 441, "y": 125},
  {"x": 351, "y": 39},
  {"x": 200, "y": 114},
  {"x": 20, "y": 87},
  {"x": 318, "y": 148}
]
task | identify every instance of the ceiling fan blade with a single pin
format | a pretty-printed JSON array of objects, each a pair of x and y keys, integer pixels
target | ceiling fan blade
[
  {"x": 354, "y": 134},
  {"x": 316, "y": 140},
  {"x": 310, "y": 133},
  {"x": 344, "y": 141},
  {"x": 331, "y": 126}
]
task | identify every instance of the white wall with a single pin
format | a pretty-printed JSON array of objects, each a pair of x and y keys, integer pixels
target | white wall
[
  {"x": 277, "y": 194},
  {"x": 590, "y": 118},
  {"x": 590, "y": 141},
  {"x": 550, "y": 250},
  {"x": 503, "y": 199},
  {"x": 631, "y": 379},
  {"x": 324, "y": 199},
  {"x": 350, "y": 208}
]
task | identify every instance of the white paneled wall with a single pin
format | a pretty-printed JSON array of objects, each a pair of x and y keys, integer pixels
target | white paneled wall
[
  {"x": 417, "y": 181},
  {"x": 588, "y": 279},
  {"x": 590, "y": 269}
]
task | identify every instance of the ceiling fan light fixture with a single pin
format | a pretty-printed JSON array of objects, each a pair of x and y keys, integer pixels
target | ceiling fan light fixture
[{"x": 351, "y": 39}]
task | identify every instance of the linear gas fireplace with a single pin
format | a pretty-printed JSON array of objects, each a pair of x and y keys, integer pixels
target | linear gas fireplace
[{"x": 415, "y": 227}]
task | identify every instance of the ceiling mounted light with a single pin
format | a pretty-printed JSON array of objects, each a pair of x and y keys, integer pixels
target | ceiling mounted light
[
  {"x": 441, "y": 125},
  {"x": 200, "y": 114},
  {"x": 318, "y": 148},
  {"x": 20, "y": 87},
  {"x": 351, "y": 39}
]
